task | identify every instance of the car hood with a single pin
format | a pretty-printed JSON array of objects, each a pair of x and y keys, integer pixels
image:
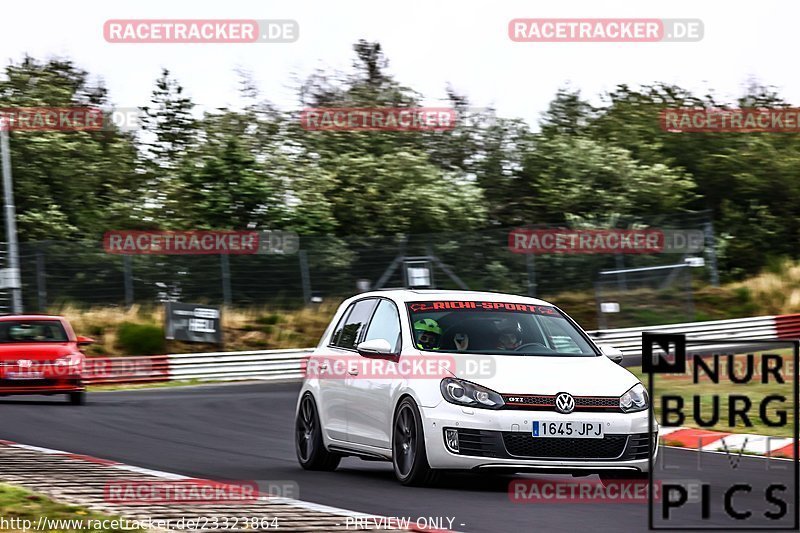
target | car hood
[
  {"x": 547, "y": 375},
  {"x": 35, "y": 351}
]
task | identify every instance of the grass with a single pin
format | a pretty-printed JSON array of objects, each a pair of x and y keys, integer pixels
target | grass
[
  {"x": 18, "y": 503},
  {"x": 153, "y": 385},
  {"x": 243, "y": 329},
  {"x": 777, "y": 289},
  {"x": 705, "y": 390}
]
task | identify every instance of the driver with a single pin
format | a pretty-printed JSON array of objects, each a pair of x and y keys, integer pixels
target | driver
[
  {"x": 509, "y": 335},
  {"x": 427, "y": 333}
]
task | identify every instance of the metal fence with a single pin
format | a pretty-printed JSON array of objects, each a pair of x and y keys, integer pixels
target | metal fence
[{"x": 83, "y": 273}]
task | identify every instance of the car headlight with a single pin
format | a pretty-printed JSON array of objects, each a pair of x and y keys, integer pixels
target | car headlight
[
  {"x": 462, "y": 392},
  {"x": 634, "y": 400},
  {"x": 67, "y": 360}
]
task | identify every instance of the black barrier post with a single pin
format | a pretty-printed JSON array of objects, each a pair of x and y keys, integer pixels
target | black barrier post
[
  {"x": 128, "y": 273},
  {"x": 305, "y": 276},
  {"x": 530, "y": 264},
  {"x": 226, "y": 278},
  {"x": 41, "y": 286}
]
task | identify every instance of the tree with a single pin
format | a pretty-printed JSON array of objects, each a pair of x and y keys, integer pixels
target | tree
[
  {"x": 168, "y": 130},
  {"x": 577, "y": 176},
  {"x": 67, "y": 184}
]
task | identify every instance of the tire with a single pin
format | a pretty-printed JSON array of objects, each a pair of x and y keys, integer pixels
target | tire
[
  {"x": 409, "y": 458},
  {"x": 311, "y": 452},
  {"x": 77, "y": 398}
]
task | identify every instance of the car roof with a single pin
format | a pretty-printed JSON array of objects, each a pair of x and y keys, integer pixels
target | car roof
[
  {"x": 426, "y": 295},
  {"x": 5, "y": 318}
]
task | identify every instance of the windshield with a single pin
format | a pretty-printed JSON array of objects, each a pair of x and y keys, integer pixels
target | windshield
[
  {"x": 495, "y": 328},
  {"x": 32, "y": 331}
]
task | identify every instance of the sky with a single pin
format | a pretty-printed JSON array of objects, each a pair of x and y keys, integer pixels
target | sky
[{"x": 429, "y": 44}]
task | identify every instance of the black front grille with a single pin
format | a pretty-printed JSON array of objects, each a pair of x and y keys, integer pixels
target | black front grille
[
  {"x": 23, "y": 383},
  {"x": 522, "y": 445},
  {"x": 525, "y": 445},
  {"x": 596, "y": 401},
  {"x": 548, "y": 403},
  {"x": 480, "y": 443},
  {"x": 530, "y": 402},
  {"x": 638, "y": 447}
]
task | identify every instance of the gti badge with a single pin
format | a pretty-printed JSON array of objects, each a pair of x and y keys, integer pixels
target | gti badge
[{"x": 565, "y": 403}]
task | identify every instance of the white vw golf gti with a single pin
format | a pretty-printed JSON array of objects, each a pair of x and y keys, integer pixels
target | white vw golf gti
[{"x": 460, "y": 380}]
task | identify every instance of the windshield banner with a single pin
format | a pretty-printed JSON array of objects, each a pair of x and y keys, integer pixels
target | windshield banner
[{"x": 421, "y": 307}]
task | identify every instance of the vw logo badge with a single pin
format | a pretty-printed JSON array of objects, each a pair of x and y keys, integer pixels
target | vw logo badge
[
  {"x": 565, "y": 403},
  {"x": 24, "y": 363}
]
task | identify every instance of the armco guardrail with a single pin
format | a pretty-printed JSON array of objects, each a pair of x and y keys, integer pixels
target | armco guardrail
[
  {"x": 111, "y": 370},
  {"x": 262, "y": 365},
  {"x": 269, "y": 364},
  {"x": 629, "y": 340},
  {"x": 290, "y": 364}
]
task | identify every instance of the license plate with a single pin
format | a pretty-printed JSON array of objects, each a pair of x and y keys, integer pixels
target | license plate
[
  {"x": 571, "y": 429},
  {"x": 24, "y": 375}
]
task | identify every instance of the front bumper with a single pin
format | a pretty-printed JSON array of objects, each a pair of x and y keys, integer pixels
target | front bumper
[
  {"x": 503, "y": 440},
  {"x": 59, "y": 385}
]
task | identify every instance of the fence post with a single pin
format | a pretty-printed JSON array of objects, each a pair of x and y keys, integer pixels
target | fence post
[
  {"x": 305, "y": 276},
  {"x": 41, "y": 287},
  {"x": 530, "y": 265},
  {"x": 689, "y": 295},
  {"x": 226, "y": 278},
  {"x": 711, "y": 252},
  {"x": 622, "y": 280},
  {"x": 128, "y": 268},
  {"x": 598, "y": 296}
]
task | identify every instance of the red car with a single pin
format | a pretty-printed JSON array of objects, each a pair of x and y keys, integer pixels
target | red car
[{"x": 41, "y": 355}]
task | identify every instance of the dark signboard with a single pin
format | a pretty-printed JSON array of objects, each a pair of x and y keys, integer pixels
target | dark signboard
[{"x": 193, "y": 322}]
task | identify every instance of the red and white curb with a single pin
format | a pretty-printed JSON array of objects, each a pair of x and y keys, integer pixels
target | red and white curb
[
  {"x": 717, "y": 441},
  {"x": 81, "y": 480}
]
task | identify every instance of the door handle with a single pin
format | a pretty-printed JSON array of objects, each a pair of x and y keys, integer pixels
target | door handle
[
  {"x": 323, "y": 365},
  {"x": 353, "y": 371}
]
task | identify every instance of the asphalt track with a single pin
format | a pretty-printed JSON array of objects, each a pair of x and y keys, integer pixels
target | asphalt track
[{"x": 245, "y": 431}]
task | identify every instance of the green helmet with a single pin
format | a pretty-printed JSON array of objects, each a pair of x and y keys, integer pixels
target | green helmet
[{"x": 427, "y": 334}]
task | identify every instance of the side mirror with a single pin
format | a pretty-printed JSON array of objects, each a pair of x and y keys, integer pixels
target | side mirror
[
  {"x": 615, "y": 354},
  {"x": 375, "y": 347},
  {"x": 84, "y": 341}
]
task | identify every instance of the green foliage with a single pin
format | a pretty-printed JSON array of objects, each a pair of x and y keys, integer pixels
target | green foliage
[
  {"x": 270, "y": 319},
  {"x": 73, "y": 183},
  {"x": 256, "y": 168},
  {"x": 141, "y": 339}
]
